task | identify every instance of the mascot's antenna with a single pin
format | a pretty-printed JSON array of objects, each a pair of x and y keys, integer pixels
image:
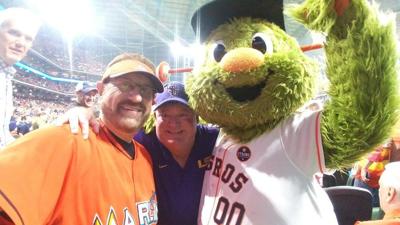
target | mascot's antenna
[{"x": 163, "y": 69}]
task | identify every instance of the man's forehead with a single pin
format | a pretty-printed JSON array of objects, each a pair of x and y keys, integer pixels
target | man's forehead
[
  {"x": 20, "y": 25},
  {"x": 174, "y": 106},
  {"x": 135, "y": 78}
]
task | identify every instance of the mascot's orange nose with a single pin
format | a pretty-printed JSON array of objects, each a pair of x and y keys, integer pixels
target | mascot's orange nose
[{"x": 242, "y": 59}]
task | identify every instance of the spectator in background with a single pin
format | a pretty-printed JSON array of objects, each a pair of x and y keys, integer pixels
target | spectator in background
[
  {"x": 12, "y": 126},
  {"x": 369, "y": 170},
  {"x": 18, "y": 28},
  {"x": 389, "y": 193},
  {"x": 23, "y": 126},
  {"x": 86, "y": 94}
]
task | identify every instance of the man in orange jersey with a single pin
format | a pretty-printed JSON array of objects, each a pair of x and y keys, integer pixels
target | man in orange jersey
[{"x": 51, "y": 176}]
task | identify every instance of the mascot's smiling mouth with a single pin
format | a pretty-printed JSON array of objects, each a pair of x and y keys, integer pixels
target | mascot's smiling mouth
[{"x": 246, "y": 93}]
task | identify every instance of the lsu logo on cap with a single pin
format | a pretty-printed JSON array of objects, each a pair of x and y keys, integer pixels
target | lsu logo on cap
[
  {"x": 243, "y": 153},
  {"x": 173, "y": 90}
]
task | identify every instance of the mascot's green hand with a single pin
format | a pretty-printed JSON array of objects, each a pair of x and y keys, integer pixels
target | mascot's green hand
[
  {"x": 361, "y": 67},
  {"x": 319, "y": 15},
  {"x": 330, "y": 15}
]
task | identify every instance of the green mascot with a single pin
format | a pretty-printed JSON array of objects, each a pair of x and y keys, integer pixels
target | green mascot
[{"x": 253, "y": 80}]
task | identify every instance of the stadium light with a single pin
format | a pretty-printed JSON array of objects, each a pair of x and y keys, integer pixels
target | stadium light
[
  {"x": 177, "y": 49},
  {"x": 194, "y": 51},
  {"x": 71, "y": 17}
]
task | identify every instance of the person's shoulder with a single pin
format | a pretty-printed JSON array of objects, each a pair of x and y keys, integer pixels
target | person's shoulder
[
  {"x": 208, "y": 130},
  {"x": 49, "y": 131},
  {"x": 145, "y": 138},
  {"x": 379, "y": 222},
  {"x": 49, "y": 135},
  {"x": 142, "y": 149},
  {"x": 42, "y": 143},
  {"x": 141, "y": 135}
]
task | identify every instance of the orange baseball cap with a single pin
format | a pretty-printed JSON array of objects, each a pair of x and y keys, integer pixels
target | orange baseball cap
[{"x": 130, "y": 63}]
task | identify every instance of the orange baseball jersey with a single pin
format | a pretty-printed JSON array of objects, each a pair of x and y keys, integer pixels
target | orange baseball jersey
[{"x": 51, "y": 176}]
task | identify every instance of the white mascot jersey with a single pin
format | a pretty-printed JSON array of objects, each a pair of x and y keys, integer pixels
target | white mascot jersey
[{"x": 269, "y": 180}]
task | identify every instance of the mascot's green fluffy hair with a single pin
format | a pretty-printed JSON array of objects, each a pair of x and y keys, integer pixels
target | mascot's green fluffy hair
[{"x": 255, "y": 75}]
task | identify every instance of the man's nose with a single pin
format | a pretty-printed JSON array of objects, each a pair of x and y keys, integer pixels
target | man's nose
[
  {"x": 22, "y": 41},
  {"x": 175, "y": 120},
  {"x": 135, "y": 95}
]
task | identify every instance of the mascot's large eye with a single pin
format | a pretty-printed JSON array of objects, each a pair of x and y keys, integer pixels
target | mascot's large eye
[
  {"x": 219, "y": 51},
  {"x": 262, "y": 43}
]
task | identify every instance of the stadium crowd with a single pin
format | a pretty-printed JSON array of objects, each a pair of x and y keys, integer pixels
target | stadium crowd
[
  {"x": 81, "y": 60},
  {"x": 35, "y": 107}
]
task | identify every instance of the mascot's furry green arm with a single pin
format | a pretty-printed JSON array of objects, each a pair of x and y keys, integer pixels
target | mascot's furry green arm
[
  {"x": 255, "y": 75},
  {"x": 361, "y": 56}
]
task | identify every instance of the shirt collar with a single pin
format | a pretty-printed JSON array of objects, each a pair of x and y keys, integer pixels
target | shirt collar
[
  {"x": 166, "y": 157},
  {"x": 7, "y": 69},
  {"x": 107, "y": 134}
]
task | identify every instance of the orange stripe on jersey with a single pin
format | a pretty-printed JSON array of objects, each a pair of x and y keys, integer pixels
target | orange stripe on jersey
[
  {"x": 219, "y": 179},
  {"x": 317, "y": 129}
]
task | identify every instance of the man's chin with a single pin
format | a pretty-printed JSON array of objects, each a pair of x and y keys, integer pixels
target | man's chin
[
  {"x": 173, "y": 141},
  {"x": 89, "y": 104},
  {"x": 131, "y": 125},
  {"x": 12, "y": 59}
]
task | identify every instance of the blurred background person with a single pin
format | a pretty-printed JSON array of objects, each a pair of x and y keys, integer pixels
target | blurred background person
[
  {"x": 369, "y": 169},
  {"x": 23, "y": 126},
  {"x": 18, "y": 28},
  {"x": 86, "y": 94},
  {"x": 389, "y": 195}
]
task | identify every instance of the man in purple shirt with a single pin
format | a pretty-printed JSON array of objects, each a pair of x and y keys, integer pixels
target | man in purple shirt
[{"x": 180, "y": 149}]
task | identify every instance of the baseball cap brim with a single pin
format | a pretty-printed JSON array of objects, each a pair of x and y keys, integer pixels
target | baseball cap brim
[
  {"x": 169, "y": 100},
  {"x": 89, "y": 89},
  {"x": 132, "y": 66}
]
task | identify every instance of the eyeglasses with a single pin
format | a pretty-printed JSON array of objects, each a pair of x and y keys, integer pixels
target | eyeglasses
[{"x": 126, "y": 87}]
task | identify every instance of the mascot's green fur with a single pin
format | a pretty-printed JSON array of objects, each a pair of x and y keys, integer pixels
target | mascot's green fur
[{"x": 255, "y": 76}]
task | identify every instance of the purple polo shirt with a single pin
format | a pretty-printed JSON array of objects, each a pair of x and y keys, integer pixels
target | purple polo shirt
[{"x": 179, "y": 189}]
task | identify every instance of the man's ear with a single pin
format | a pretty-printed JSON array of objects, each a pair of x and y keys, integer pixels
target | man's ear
[
  {"x": 390, "y": 195},
  {"x": 100, "y": 87}
]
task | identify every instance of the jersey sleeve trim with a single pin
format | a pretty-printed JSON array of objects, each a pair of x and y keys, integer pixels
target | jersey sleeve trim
[
  {"x": 10, "y": 209},
  {"x": 318, "y": 143}
]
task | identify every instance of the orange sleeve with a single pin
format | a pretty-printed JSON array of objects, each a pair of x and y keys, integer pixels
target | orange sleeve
[
  {"x": 32, "y": 171},
  {"x": 378, "y": 222}
]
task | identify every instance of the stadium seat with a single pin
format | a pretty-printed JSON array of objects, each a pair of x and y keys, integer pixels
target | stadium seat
[
  {"x": 350, "y": 204},
  {"x": 328, "y": 180}
]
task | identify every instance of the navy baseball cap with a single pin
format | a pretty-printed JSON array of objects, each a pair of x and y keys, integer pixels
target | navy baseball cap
[
  {"x": 85, "y": 87},
  {"x": 173, "y": 92}
]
